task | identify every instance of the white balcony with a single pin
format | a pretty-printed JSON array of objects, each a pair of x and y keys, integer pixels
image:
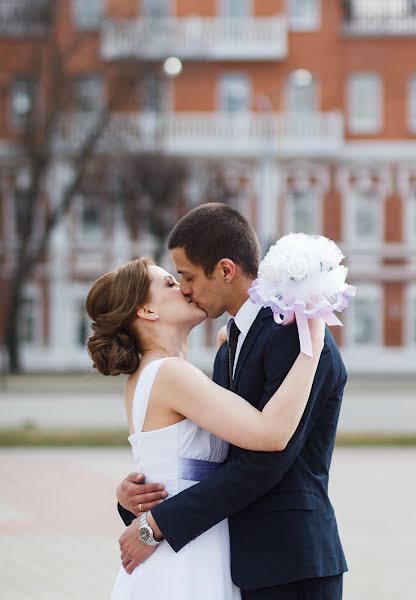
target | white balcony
[
  {"x": 196, "y": 38},
  {"x": 380, "y": 17},
  {"x": 20, "y": 18},
  {"x": 209, "y": 134}
]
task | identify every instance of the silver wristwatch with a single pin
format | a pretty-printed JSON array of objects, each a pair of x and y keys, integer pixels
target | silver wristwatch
[{"x": 146, "y": 532}]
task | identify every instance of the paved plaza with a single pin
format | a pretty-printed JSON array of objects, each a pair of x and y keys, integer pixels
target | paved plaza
[{"x": 59, "y": 527}]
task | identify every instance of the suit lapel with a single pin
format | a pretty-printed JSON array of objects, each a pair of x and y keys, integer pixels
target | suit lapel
[{"x": 248, "y": 343}]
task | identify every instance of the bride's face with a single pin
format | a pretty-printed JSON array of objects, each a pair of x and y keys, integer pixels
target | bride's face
[{"x": 167, "y": 300}]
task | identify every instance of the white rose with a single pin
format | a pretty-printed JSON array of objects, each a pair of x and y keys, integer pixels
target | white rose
[{"x": 297, "y": 268}]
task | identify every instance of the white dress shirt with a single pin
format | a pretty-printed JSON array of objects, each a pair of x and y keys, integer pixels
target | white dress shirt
[{"x": 244, "y": 319}]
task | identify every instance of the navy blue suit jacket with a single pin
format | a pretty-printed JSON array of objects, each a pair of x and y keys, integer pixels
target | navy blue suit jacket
[{"x": 282, "y": 524}]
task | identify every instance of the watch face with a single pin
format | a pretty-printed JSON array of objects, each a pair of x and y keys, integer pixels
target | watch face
[{"x": 145, "y": 534}]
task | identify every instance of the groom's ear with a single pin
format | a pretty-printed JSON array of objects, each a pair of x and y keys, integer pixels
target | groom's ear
[{"x": 227, "y": 269}]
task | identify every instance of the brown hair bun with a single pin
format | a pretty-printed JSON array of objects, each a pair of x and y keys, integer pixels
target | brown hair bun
[{"x": 111, "y": 304}]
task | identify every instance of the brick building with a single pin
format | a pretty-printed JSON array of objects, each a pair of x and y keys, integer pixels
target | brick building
[{"x": 309, "y": 106}]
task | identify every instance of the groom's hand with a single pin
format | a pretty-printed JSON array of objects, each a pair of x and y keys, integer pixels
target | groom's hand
[
  {"x": 133, "y": 551},
  {"x": 137, "y": 496}
]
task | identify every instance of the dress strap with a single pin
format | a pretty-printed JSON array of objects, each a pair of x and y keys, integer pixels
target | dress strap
[{"x": 142, "y": 393}]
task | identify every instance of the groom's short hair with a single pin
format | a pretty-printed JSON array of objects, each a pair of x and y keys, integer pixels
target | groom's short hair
[{"x": 214, "y": 231}]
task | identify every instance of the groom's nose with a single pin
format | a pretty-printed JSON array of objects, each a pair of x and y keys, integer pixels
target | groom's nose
[{"x": 185, "y": 289}]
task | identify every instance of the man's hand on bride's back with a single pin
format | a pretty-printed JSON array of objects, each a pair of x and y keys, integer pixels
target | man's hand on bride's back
[{"x": 137, "y": 496}]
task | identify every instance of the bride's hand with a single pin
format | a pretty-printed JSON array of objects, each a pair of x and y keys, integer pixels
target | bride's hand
[{"x": 222, "y": 336}]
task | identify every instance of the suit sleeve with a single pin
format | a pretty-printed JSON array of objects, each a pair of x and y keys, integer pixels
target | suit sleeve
[
  {"x": 245, "y": 478},
  {"x": 125, "y": 514}
]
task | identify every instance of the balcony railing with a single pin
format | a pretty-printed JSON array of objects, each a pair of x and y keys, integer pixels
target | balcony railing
[
  {"x": 25, "y": 17},
  {"x": 208, "y": 134},
  {"x": 380, "y": 17},
  {"x": 257, "y": 38}
]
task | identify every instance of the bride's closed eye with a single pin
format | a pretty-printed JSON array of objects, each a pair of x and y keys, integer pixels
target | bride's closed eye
[{"x": 171, "y": 282}]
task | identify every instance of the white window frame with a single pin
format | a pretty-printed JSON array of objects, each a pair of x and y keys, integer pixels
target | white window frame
[
  {"x": 315, "y": 89},
  {"x": 373, "y": 293},
  {"x": 406, "y": 185},
  {"x": 18, "y": 122},
  {"x": 86, "y": 25},
  {"x": 297, "y": 23},
  {"x": 33, "y": 292},
  {"x": 410, "y": 216},
  {"x": 316, "y": 199},
  {"x": 165, "y": 94},
  {"x": 356, "y": 123},
  {"x": 349, "y": 233},
  {"x": 411, "y": 103},
  {"x": 82, "y": 236},
  {"x": 100, "y": 86},
  {"x": 221, "y": 95},
  {"x": 410, "y": 316},
  {"x": 305, "y": 176}
]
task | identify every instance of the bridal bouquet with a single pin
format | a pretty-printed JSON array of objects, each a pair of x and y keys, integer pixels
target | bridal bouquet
[{"x": 301, "y": 276}]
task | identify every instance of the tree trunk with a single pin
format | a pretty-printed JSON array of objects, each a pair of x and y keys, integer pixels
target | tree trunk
[{"x": 12, "y": 325}]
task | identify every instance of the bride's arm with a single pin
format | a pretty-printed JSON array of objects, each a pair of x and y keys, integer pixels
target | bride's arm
[{"x": 190, "y": 393}]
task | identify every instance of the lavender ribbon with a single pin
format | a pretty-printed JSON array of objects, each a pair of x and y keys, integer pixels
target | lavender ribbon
[
  {"x": 284, "y": 314},
  {"x": 196, "y": 470}
]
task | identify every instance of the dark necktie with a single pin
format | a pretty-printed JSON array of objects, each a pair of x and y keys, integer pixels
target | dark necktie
[{"x": 232, "y": 347}]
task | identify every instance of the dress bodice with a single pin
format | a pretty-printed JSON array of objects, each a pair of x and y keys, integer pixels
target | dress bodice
[{"x": 177, "y": 455}]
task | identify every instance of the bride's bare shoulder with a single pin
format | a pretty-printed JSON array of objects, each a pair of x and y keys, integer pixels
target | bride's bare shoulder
[{"x": 175, "y": 369}]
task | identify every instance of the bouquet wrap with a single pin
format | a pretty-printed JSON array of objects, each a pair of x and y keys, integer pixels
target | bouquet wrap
[{"x": 301, "y": 276}]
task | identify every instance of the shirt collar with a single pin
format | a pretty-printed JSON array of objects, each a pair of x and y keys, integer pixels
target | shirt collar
[{"x": 245, "y": 317}]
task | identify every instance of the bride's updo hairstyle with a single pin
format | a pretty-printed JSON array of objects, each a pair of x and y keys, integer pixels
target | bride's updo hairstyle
[{"x": 112, "y": 304}]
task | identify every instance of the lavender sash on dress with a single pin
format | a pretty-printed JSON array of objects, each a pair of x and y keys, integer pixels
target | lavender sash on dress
[{"x": 196, "y": 470}]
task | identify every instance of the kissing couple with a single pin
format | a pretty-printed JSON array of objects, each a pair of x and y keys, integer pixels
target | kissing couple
[{"x": 234, "y": 504}]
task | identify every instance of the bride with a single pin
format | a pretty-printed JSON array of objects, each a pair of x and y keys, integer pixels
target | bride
[{"x": 180, "y": 422}]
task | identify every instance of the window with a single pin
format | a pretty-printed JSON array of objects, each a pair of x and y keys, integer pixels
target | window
[
  {"x": 91, "y": 221},
  {"x": 156, "y": 8},
  {"x": 30, "y": 318},
  {"x": 301, "y": 92},
  {"x": 365, "y": 103},
  {"x": 304, "y": 15},
  {"x": 410, "y": 216},
  {"x": 364, "y": 325},
  {"x": 154, "y": 93},
  {"x": 88, "y": 13},
  {"x": 365, "y": 218},
  {"x": 412, "y": 103},
  {"x": 303, "y": 211},
  {"x": 235, "y": 8},
  {"x": 365, "y": 317},
  {"x": 88, "y": 93},
  {"x": 22, "y": 100},
  {"x": 234, "y": 93}
]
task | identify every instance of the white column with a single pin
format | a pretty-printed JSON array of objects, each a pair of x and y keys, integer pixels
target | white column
[
  {"x": 267, "y": 190},
  {"x": 121, "y": 240},
  {"x": 62, "y": 312}
]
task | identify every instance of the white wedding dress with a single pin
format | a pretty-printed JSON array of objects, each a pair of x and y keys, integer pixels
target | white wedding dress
[{"x": 177, "y": 456}]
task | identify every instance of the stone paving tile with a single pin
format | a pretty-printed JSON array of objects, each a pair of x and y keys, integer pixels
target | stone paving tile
[{"x": 59, "y": 528}]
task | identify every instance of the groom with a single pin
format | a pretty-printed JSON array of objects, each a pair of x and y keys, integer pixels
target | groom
[{"x": 283, "y": 532}]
